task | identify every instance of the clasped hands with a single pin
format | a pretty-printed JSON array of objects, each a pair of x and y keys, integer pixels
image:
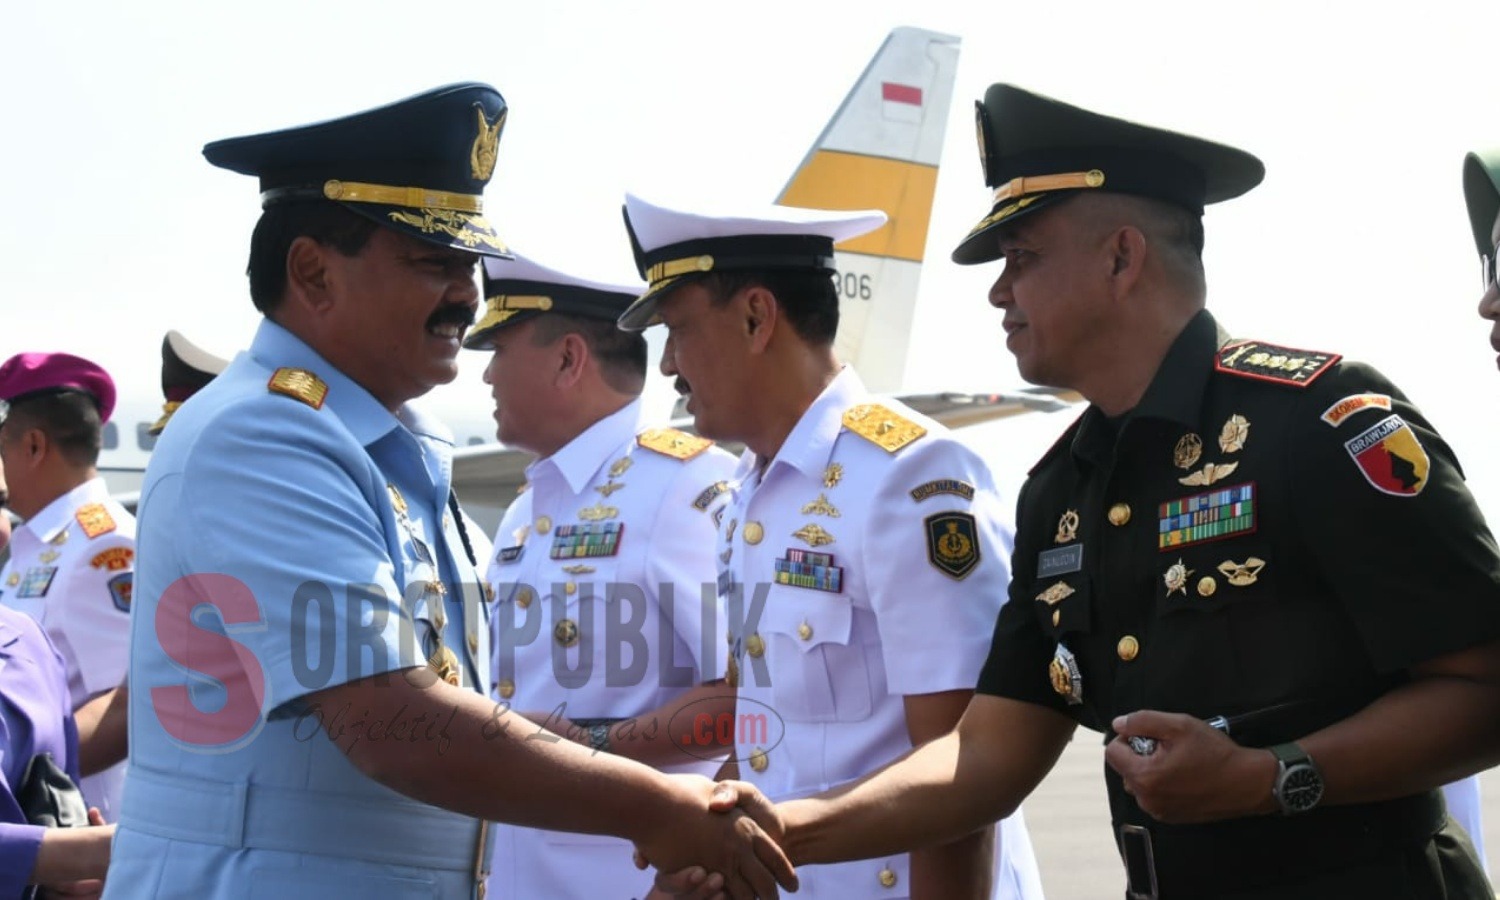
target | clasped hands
[{"x": 733, "y": 854}]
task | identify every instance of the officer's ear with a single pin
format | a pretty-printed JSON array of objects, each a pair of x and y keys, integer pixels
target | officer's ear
[
  {"x": 1126, "y": 249},
  {"x": 572, "y": 357},
  {"x": 34, "y": 444},
  {"x": 761, "y": 314},
  {"x": 307, "y": 274}
]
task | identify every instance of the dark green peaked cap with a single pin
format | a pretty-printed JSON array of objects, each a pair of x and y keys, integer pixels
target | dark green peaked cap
[{"x": 1035, "y": 150}]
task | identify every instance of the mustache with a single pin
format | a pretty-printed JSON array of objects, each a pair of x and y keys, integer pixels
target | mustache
[{"x": 451, "y": 314}]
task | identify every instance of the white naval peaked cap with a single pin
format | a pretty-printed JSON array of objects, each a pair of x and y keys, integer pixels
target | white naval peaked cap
[
  {"x": 671, "y": 245},
  {"x": 521, "y": 288}
]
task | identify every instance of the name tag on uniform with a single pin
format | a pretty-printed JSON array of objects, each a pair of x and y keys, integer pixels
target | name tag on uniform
[
  {"x": 510, "y": 554},
  {"x": 36, "y": 581},
  {"x": 1059, "y": 561}
]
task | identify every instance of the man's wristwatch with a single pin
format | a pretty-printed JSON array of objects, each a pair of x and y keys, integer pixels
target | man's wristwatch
[
  {"x": 1299, "y": 784},
  {"x": 599, "y": 737}
]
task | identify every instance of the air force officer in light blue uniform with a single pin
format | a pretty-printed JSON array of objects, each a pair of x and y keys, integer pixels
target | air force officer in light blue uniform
[{"x": 309, "y": 652}]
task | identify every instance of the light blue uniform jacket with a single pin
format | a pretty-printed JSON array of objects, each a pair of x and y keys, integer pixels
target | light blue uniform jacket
[{"x": 274, "y": 562}]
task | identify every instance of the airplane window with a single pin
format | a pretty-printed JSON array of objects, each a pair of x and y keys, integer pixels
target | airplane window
[
  {"x": 142, "y": 439},
  {"x": 111, "y": 435}
]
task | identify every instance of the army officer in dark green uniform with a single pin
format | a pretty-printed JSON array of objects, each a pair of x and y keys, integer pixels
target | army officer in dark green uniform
[{"x": 1254, "y": 568}]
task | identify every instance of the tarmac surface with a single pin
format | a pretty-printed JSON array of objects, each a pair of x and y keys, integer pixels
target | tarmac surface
[{"x": 1068, "y": 817}]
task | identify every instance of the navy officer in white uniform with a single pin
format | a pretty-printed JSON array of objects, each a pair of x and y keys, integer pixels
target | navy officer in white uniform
[
  {"x": 309, "y": 654},
  {"x": 72, "y": 561},
  {"x": 600, "y": 566},
  {"x": 864, "y": 555}
]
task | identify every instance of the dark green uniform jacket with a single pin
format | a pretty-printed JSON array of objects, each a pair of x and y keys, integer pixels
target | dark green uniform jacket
[{"x": 1272, "y": 534}]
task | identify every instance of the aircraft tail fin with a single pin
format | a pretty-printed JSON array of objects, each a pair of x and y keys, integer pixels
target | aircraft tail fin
[{"x": 881, "y": 151}]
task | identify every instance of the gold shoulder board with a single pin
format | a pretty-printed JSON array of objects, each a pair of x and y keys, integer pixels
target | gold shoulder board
[
  {"x": 1260, "y": 361},
  {"x": 673, "y": 443},
  {"x": 94, "y": 519},
  {"x": 882, "y": 427},
  {"x": 299, "y": 384}
]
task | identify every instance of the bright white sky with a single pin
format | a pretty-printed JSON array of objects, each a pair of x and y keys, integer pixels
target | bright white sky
[{"x": 116, "y": 229}]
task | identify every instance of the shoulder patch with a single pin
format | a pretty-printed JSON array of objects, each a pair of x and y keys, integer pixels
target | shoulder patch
[
  {"x": 114, "y": 559},
  {"x": 1390, "y": 457},
  {"x": 882, "y": 427},
  {"x": 94, "y": 519},
  {"x": 1269, "y": 362},
  {"x": 299, "y": 384},
  {"x": 943, "y": 486},
  {"x": 121, "y": 590},
  {"x": 1352, "y": 404},
  {"x": 705, "y": 499},
  {"x": 673, "y": 443},
  {"x": 953, "y": 543}
]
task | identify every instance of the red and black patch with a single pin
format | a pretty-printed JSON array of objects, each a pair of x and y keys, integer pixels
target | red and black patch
[{"x": 1270, "y": 362}]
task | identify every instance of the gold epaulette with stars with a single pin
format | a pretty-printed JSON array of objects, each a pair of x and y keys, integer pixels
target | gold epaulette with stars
[
  {"x": 1268, "y": 362},
  {"x": 882, "y": 427},
  {"x": 94, "y": 519},
  {"x": 299, "y": 384},
  {"x": 673, "y": 443}
]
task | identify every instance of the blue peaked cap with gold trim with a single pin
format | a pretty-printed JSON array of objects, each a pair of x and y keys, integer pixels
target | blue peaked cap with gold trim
[
  {"x": 519, "y": 289},
  {"x": 1036, "y": 150},
  {"x": 418, "y": 166}
]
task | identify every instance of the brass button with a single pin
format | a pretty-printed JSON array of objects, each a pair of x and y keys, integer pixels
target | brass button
[
  {"x": 1119, "y": 514},
  {"x": 758, "y": 760},
  {"x": 805, "y": 631},
  {"x": 571, "y": 588},
  {"x": 754, "y": 531},
  {"x": 524, "y": 596},
  {"x": 888, "y": 877},
  {"x": 566, "y": 632},
  {"x": 489, "y": 592},
  {"x": 732, "y": 673},
  {"x": 543, "y": 524},
  {"x": 507, "y": 689},
  {"x": 473, "y": 642},
  {"x": 755, "y": 645},
  {"x": 1128, "y": 648},
  {"x": 1207, "y": 586}
]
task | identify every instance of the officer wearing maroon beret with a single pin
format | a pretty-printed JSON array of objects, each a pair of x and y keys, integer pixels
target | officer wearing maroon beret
[{"x": 72, "y": 561}]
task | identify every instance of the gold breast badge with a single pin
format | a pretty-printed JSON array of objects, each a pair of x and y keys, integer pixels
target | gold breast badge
[
  {"x": 1067, "y": 527},
  {"x": 1210, "y": 473},
  {"x": 821, "y": 507},
  {"x": 1176, "y": 578},
  {"x": 1189, "y": 448},
  {"x": 1235, "y": 431},
  {"x": 813, "y": 535},
  {"x": 1242, "y": 574}
]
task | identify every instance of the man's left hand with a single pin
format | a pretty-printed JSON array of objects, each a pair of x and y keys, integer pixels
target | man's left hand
[{"x": 1194, "y": 774}]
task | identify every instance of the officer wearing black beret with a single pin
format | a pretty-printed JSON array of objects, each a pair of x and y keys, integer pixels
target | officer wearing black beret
[{"x": 1254, "y": 568}]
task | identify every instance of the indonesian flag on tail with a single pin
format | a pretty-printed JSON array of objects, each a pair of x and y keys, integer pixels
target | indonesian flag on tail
[{"x": 901, "y": 102}]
